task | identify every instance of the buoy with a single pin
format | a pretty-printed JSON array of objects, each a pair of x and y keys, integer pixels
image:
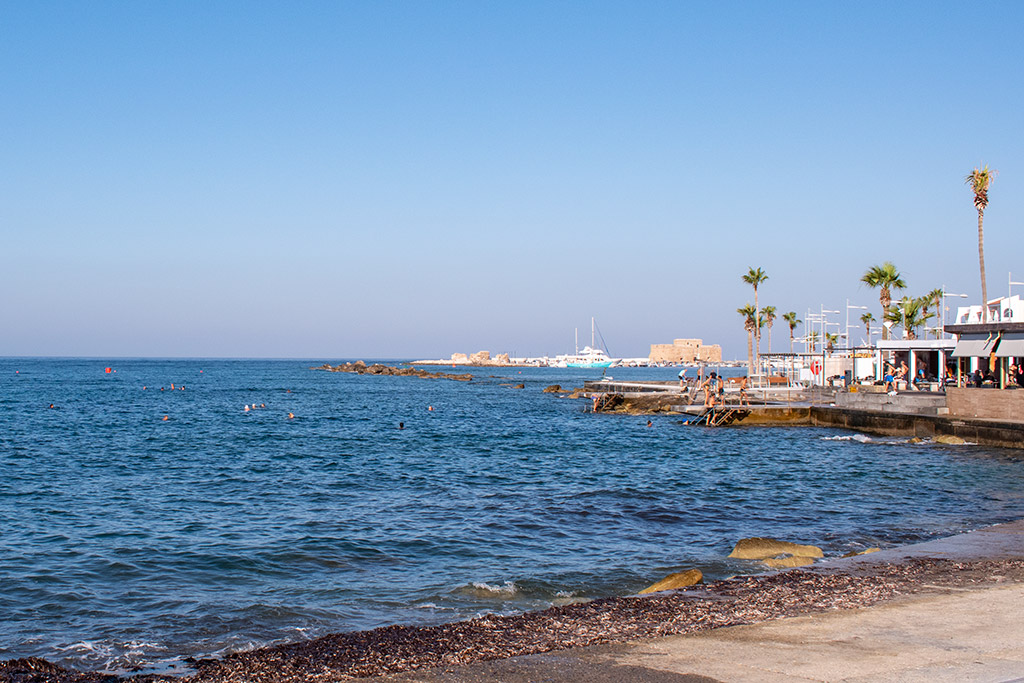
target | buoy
[
  {"x": 108, "y": 371},
  {"x": 430, "y": 407},
  {"x": 291, "y": 415},
  {"x": 246, "y": 407},
  {"x": 166, "y": 418}
]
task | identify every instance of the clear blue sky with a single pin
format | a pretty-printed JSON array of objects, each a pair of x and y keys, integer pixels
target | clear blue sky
[{"x": 409, "y": 179}]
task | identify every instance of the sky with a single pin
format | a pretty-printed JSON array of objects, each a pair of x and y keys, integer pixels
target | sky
[{"x": 412, "y": 179}]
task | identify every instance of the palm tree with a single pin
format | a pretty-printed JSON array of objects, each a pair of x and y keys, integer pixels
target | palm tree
[
  {"x": 979, "y": 180},
  {"x": 932, "y": 297},
  {"x": 812, "y": 339},
  {"x": 769, "y": 320},
  {"x": 831, "y": 341},
  {"x": 867, "y": 319},
  {"x": 793, "y": 322},
  {"x": 886, "y": 277},
  {"x": 749, "y": 312},
  {"x": 910, "y": 313},
  {"x": 754, "y": 278}
]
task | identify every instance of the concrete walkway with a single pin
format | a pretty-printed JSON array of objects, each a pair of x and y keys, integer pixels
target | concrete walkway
[{"x": 946, "y": 634}]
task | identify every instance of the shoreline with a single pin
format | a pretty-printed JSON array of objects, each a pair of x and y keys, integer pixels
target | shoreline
[{"x": 992, "y": 556}]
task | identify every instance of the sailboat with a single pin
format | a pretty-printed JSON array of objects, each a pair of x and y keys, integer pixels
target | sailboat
[{"x": 589, "y": 357}]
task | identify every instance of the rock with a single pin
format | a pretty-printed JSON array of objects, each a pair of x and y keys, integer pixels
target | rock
[
  {"x": 950, "y": 440},
  {"x": 553, "y": 389},
  {"x": 916, "y": 439},
  {"x": 519, "y": 386},
  {"x": 480, "y": 357},
  {"x": 764, "y": 548},
  {"x": 673, "y": 581},
  {"x": 502, "y": 359},
  {"x": 855, "y": 553},
  {"x": 789, "y": 561},
  {"x": 460, "y": 359}
]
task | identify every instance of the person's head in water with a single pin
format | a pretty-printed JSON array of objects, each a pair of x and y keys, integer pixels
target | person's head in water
[{"x": 401, "y": 425}]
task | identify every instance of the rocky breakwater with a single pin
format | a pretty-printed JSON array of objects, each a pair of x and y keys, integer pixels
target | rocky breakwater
[
  {"x": 361, "y": 368},
  {"x": 636, "y": 405}
]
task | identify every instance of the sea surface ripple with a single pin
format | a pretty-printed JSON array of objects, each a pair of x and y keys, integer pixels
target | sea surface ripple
[{"x": 128, "y": 540}]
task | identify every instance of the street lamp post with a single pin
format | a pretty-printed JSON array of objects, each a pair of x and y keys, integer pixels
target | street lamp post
[
  {"x": 848, "y": 307},
  {"x": 944, "y": 295},
  {"x": 1010, "y": 284}
]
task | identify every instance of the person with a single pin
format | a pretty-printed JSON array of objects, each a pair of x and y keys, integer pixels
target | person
[
  {"x": 710, "y": 388},
  {"x": 1011, "y": 377},
  {"x": 744, "y": 399},
  {"x": 890, "y": 377},
  {"x": 920, "y": 379},
  {"x": 977, "y": 378},
  {"x": 401, "y": 425},
  {"x": 596, "y": 399},
  {"x": 650, "y": 424},
  {"x": 682, "y": 377}
]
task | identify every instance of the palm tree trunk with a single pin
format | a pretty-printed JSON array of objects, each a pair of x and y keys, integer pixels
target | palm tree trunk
[
  {"x": 791, "y": 340},
  {"x": 981, "y": 263},
  {"x": 757, "y": 331},
  {"x": 750, "y": 351}
]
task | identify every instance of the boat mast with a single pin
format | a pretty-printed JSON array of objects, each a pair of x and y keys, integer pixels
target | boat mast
[
  {"x": 576, "y": 338},
  {"x": 591, "y": 332}
]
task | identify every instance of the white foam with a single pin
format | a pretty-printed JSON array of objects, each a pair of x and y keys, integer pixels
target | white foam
[
  {"x": 507, "y": 588},
  {"x": 846, "y": 437}
]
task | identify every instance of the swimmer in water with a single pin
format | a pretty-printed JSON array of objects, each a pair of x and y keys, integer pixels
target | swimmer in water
[
  {"x": 650, "y": 424},
  {"x": 246, "y": 408},
  {"x": 401, "y": 425},
  {"x": 291, "y": 416},
  {"x": 166, "y": 418},
  {"x": 430, "y": 408}
]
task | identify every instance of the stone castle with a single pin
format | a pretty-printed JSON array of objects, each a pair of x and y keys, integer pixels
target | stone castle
[{"x": 685, "y": 351}]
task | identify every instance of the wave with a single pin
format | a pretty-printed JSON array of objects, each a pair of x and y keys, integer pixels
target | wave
[{"x": 862, "y": 438}]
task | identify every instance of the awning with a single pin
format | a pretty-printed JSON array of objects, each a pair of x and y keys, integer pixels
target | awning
[
  {"x": 974, "y": 345},
  {"x": 1011, "y": 345}
]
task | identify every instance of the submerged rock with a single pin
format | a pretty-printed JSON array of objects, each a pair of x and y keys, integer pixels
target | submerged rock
[
  {"x": 788, "y": 561},
  {"x": 764, "y": 548},
  {"x": 553, "y": 389},
  {"x": 673, "y": 581},
  {"x": 950, "y": 440},
  {"x": 855, "y": 553},
  {"x": 519, "y": 386}
]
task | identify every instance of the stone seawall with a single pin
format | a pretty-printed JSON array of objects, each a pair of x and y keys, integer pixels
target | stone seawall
[{"x": 985, "y": 432}]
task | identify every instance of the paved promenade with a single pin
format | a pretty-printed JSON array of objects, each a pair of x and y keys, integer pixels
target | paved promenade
[{"x": 939, "y": 634}]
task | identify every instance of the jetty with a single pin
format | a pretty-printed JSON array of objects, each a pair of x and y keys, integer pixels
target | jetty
[{"x": 986, "y": 416}]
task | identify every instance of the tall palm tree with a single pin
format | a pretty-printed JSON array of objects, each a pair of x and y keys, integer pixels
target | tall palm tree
[
  {"x": 749, "y": 313},
  {"x": 979, "y": 181},
  {"x": 886, "y": 277},
  {"x": 754, "y": 278},
  {"x": 793, "y": 322},
  {"x": 768, "y": 316},
  {"x": 867, "y": 319}
]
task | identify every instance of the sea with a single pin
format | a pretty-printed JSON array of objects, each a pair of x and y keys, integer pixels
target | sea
[{"x": 142, "y": 525}]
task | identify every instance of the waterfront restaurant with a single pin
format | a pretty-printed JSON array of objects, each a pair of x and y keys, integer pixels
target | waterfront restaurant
[
  {"x": 989, "y": 347},
  {"x": 930, "y": 355}
]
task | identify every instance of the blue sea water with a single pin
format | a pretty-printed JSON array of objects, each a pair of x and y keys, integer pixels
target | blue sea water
[{"x": 129, "y": 540}]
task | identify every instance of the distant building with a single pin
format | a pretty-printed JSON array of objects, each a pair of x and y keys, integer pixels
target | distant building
[{"x": 685, "y": 351}]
